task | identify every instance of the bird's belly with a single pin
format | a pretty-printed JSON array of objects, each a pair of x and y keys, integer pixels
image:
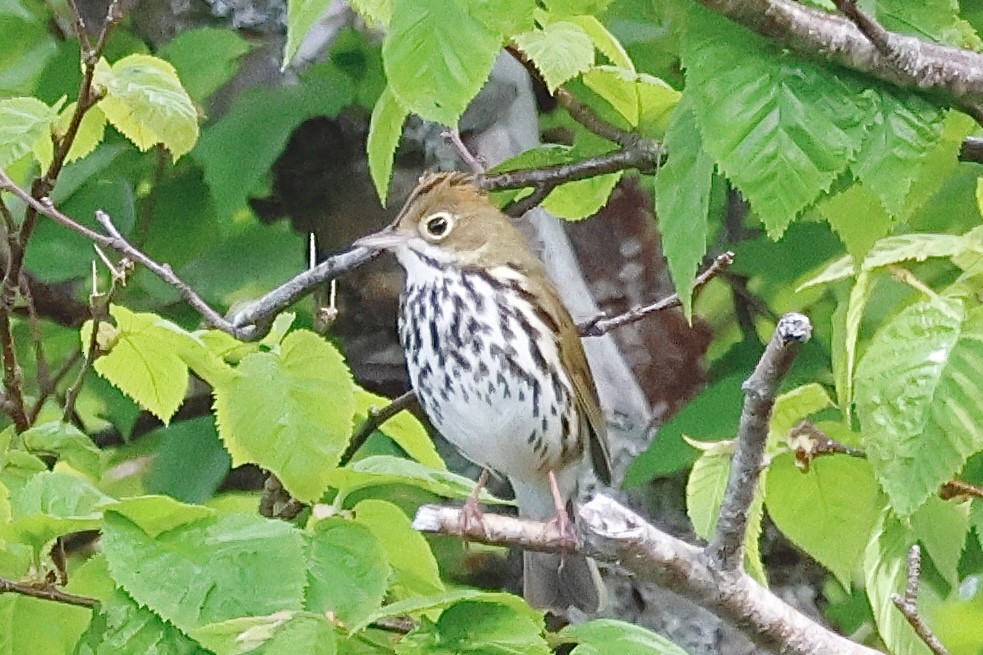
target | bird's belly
[{"x": 486, "y": 391}]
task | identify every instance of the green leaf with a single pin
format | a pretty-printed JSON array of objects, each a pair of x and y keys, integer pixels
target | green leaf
[
  {"x": 917, "y": 391},
  {"x": 415, "y": 571},
  {"x": 382, "y": 470},
  {"x": 903, "y": 132},
  {"x": 209, "y": 570},
  {"x": 705, "y": 491},
  {"x": 39, "y": 627},
  {"x": 613, "y": 636},
  {"x": 52, "y": 504},
  {"x": 885, "y": 571},
  {"x": 781, "y": 128},
  {"x": 68, "y": 443},
  {"x": 638, "y": 97},
  {"x": 123, "y": 626},
  {"x": 23, "y": 122},
  {"x": 296, "y": 633},
  {"x": 919, "y": 247},
  {"x": 144, "y": 359},
  {"x": 147, "y": 104},
  {"x": 477, "y": 627},
  {"x": 90, "y": 134},
  {"x": 425, "y": 605},
  {"x": 794, "y": 405},
  {"x": 560, "y": 51},
  {"x": 311, "y": 388},
  {"x": 576, "y": 200},
  {"x": 385, "y": 128},
  {"x": 403, "y": 428},
  {"x": 190, "y": 464},
  {"x": 157, "y": 514},
  {"x": 347, "y": 570},
  {"x": 376, "y": 11},
  {"x": 205, "y": 58},
  {"x": 836, "y": 496},
  {"x": 844, "y": 367},
  {"x": 18, "y": 469},
  {"x": 437, "y": 56},
  {"x": 841, "y": 212},
  {"x": 682, "y": 201},
  {"x": 604, "y": 41},
  {"x": 942, "y": 527},
  {"x": 301, "y": 17}
]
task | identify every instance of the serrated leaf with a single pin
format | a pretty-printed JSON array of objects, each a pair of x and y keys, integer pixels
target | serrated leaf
[
  {"x": 752, "y": 540},
  {"x": 885, "y": 568},
  {"x": 381, "y": 470},
  {"x": 781, "y": 128},
  {"x": 560, "y": 51},
  {"x": 916, "y": 391},
  {"x": 147, "y": 104},
  {"x": 90, "y": 134},
  {"x": 604, "y": 41},
  {"x": 942, "y": 527},
  {"x": 471, "y": 626},
  {"x": 145, "y": 360},
  {"x": 403, "y": 428},
  {"x": 347, "y": 570},
  {"x": 505, "y": 16},
  {"x": 311, "y": 388},
  {"x": 157, "y": 514},
  {"x": 385, "y": 128},
  {"x": 705, "y": 491},
  {"x": 66, "y": 442},
  {"x": 52, "y": 504},
  {"x": 919, "y": 247},
  {"x": 837, "y": 495},
  {"x": 903, "y": 132},
  {"x": 415, "y": 571},
  {"x": 301, "y": 17},
  {"x": 682, "y": 201},
  {"x": 636, "y": 96},
  {"x": 437, "y": 56},
  {"x": 842, "y": 211},
  {"x": 208, "y": 571},
  {"x": 611, "y": 635},
  {"x": 376, "y": 11},
  {"x": 296, "y": 633},
  {"x": 123, "y": 626},
  {"x": 845, "y": 367},
  {"x": 23, "y": 122}
]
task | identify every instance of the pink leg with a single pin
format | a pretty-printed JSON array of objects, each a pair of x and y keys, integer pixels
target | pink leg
[
  {"x": 562, "y": 520},
  {"x": 471, "y": 514}
]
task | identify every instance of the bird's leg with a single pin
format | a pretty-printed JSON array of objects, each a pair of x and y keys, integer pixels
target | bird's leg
[
  {"x": 566, "y": 527},
  {"x": 471, "y": 514}
]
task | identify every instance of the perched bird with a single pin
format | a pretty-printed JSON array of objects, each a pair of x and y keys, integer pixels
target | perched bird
[{"x": 497, "y": 364}]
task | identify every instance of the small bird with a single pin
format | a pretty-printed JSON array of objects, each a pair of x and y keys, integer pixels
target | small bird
[{"x": 497, "y": 364}]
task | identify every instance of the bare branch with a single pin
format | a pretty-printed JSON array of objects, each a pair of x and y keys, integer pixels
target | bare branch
[
  {"x": 726, "y": 550},
  {"x": 375, "y": 419},
  {"x": 615, "y": 534},
  {"x": 600, "y": 324},
  {"x": 908, "y": 604},
  {"x": 47, "y": 592},
  {"x": 586, "y": 116}
]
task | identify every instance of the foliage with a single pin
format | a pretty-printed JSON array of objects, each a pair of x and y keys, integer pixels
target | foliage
[{"x": 860, "y": 213}]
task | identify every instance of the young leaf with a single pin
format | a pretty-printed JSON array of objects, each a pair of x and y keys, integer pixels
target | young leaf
[
  {"x": 471, "y": 626},
  {"x": 682, "y": 202},
  {"x": 301, "y": 17},
  {"x": 437, "y": 56},
  {"x": 604, "y": 41},
  {"x": 841, "y": 212},
  {"x": 795, "y": 405},
  {"x": 916, "y": 390},
  {"x": 781, "y": 128},
  {"x": 636, "y": 96},
  {"x": 296, "y": 633},
  {"x": 385, "y": 128},
  {"x": 845, "y": 367},
  {"x": 611, "y": 635},
  {"x": 68, "y": 443},
  {"x": 90, "y": 134},
  {"x": 415, "y": 571},
  {"x": 836, "y": 496},
  {"x": 209, "y": 570},
  {"x": 347, "y": 570},
  {"x": 403, "y": 428},
  {"x": 147, "y": 104},
  {"x": 23, "y": 122},
  {"x": 560, "y": 51},
  {"x": 144, "y": 359},
  {"x": 705, "y": 491},
  {"x": 311, "y": 388}
]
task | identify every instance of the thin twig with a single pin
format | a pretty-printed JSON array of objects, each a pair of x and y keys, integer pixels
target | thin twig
[
  {"x": 475, "y": 164},
  {"x": 643, "y": 159},
  {"x": 869, "y": 27},
  {"x": 91, "y": 353},
  {"x": 592, "y": 122},
  {"x": 52, "y": 383},
  {"x": 908, "y": 604},
  {"x": 726, "y": 550},
  {"x": 960, "y": 489},
  {"x": 47, "y": 592},
  {"x": 600, "y": 324},
  {"x": 374, "y": 420},
  {"x": 522, "y": 205},
  {"x": 808, "y": 442}
]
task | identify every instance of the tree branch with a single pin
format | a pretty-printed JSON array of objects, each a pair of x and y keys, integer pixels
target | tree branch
[
  {"x": 908, "y": 604},
  {"x": 726, "y": 551},
  {"x": 615, "y": 534},
  {"x": 46, "y": 593}
]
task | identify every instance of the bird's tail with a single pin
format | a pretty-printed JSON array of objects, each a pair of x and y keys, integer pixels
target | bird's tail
[{"x": 555, "y": 582}]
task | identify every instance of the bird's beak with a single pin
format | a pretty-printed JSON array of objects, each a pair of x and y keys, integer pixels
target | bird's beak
[{"x": 385, "y": 239}]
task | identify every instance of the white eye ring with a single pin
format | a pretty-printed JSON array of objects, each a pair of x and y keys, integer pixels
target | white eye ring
[{"x": 437, "y": 226}]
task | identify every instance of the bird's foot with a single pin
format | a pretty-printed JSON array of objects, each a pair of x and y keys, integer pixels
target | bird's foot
[
  {"x": 569, "y": 535},
  {"x": 472, "y": 517}
]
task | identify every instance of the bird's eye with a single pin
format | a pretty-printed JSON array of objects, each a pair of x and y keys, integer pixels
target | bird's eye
[{"x": 437, "y": 226}]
